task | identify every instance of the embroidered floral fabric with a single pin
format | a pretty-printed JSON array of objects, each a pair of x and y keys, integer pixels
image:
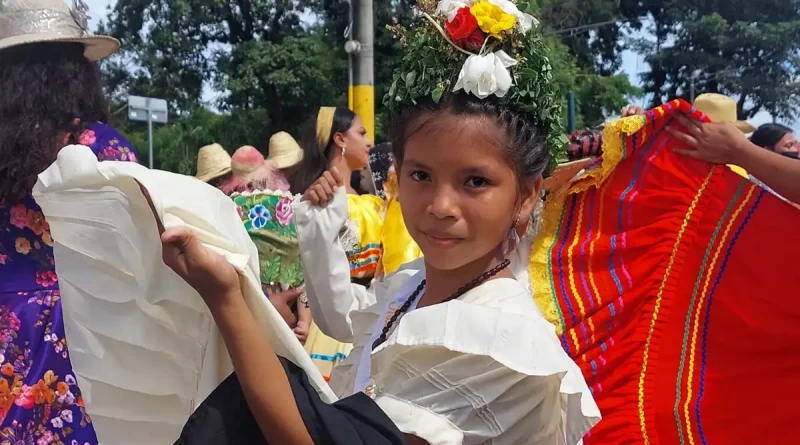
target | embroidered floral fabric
[
  {"x": 40, "y": 402},
  {"x": 269, "y": 219}
]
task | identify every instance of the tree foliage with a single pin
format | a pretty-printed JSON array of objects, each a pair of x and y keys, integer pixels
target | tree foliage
[
  {"x": 265, "y": 65},
  {"x": 748, "y": 50}
]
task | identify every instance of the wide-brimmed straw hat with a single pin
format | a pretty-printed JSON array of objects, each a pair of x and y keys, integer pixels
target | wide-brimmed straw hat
[
  {"x": 284, "y": 151},
  {"x": 246, "y": 160},
  {"x": 212, "y": 162},
  {"x": 37, "y": 21},
  {"x": 721, "y": 108}
]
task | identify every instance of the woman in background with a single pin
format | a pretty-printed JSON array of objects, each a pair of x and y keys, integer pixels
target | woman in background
[
  {"x": 375, "y": 238},
  {"x": 52, "y": 97},
  {"x": 776, "y": 138}
]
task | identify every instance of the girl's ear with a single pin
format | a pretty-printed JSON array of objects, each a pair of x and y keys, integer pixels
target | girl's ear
[
  {"x": 338, "y": 140},
  {"x": 530, "y": 196}
]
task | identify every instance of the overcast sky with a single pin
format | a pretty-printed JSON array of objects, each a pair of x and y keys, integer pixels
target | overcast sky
[{"x": 632, "y": 63}]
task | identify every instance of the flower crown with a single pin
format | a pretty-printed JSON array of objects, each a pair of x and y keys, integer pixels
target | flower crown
[{"x": 485, "y": 48}]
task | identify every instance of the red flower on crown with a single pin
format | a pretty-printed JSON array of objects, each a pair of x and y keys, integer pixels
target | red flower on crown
[
  {"x": 474, "y": 41},
  {"x": 464, "y": 30}
]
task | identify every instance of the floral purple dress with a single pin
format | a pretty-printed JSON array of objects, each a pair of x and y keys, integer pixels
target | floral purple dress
[{"x": 40, "y": 403}]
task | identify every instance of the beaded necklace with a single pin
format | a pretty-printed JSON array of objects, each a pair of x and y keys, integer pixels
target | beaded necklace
[{"x": 414, "y": 295}]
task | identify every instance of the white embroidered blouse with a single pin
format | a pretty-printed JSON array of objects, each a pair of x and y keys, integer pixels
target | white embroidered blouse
[{"x": 484, "y": 369}]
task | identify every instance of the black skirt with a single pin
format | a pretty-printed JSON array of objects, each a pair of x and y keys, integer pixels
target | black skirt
[{"x": 225, "y": 419}]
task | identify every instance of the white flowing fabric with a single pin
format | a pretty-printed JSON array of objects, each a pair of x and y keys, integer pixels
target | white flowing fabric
[{"x": 143, "y": 345}]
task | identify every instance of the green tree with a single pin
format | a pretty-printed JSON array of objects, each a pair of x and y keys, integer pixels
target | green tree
[
  {"x": 748, "y": 50},
  {"x": 587, "y": 39},
  {"x": 172, "y": 48},
  {"x": 288, "y": 80}
]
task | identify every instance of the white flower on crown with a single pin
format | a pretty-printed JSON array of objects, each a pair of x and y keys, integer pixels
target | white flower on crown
[
  {"x": 485, "y": 75},
  {"x": 449, "y": 9}
]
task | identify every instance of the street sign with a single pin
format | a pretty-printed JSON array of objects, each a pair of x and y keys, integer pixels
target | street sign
[
  {"x": 150, "y": 110},
  {"x": 138, "y": 108}
]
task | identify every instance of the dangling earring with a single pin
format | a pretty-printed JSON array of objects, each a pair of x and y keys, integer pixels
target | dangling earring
[
  {"x": 535, "y": 224},
  {"x": 343, "y": 150},
  {"x": 512, "y": 239}
]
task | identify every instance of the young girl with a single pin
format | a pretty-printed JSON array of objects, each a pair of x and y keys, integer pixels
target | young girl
[{"x": 451, "y": 347}]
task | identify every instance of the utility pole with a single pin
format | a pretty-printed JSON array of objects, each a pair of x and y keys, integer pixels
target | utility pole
[{"x": 363, "y": 85}]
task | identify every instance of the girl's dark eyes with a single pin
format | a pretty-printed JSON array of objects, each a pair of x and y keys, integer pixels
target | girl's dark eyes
[
  {"x": 419, "y": 176},
  {"x": 477, "y": 182},
  {"x": 471, "y": 182}
]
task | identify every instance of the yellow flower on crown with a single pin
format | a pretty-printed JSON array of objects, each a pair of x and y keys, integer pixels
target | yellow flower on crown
[{"x": 492, "y": 19}]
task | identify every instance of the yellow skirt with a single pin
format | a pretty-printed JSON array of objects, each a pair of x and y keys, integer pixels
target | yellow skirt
[{"x": 325, "y": 352}]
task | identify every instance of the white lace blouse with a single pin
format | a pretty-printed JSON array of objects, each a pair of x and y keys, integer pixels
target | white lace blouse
[{"x": 484, "y": 369}]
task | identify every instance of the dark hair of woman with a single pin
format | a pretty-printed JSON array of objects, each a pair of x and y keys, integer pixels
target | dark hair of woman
[
  {"x": 44, "y": 88},
  {"x": 768, "y": 135},
  {"x": 316, "y": 158},
  {"x": 526, "y": 145}
]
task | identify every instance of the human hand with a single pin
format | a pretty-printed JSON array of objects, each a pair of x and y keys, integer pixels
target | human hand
[
  {"x": 282, "y": 301},
  {"x": 631, "y": 110},
  {"x": 718, "y": 143},
  {"x": 210, "y": 274},
  {"x": 301, "y": 331},
  {"x": 321, "y": 192}
]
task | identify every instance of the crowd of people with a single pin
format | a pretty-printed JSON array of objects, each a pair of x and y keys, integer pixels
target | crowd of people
[{"x": 501, "y": 300}]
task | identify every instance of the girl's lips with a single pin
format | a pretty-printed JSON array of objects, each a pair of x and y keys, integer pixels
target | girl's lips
[{"x": 441, "y": 242}]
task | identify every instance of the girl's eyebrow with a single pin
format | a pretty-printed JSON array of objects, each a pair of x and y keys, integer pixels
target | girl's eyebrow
[{"x": 415, "y": 164}]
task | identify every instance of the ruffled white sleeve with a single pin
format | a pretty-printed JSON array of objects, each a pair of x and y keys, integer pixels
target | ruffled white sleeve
[
  {"x": 140, "y": 338},
  {"x": 460, "y": 373},
  {"x": 332, "y": 296}
]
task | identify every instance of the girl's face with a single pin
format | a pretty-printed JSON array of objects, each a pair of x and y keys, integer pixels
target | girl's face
[
  {"x": 356, "y": 144},
  {"x": 460, "y": 194},
  {"x": 787, "y": 144}
]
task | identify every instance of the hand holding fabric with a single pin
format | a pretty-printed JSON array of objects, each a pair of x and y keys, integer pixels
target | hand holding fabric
[
  {"x": 718, "y": 143},
  {"x": 631, "y": 110},
  {"x": 210, "y": 274}
]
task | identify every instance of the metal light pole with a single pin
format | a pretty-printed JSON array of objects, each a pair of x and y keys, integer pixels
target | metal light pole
[
  {"x": 150, "y": 110},
  {"x": 363, "y": 51}
]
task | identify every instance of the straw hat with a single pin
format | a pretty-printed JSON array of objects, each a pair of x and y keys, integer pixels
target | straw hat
[
  {"x": 721, "y": 108},
  {"x": 212, "y": 162},
  {"x": 36, "y": 21},
  {"x": 284, "y": 152},
  {"x": 246, "y": 160}
]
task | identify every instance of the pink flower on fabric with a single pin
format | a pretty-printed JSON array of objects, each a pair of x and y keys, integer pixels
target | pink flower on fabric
[
  {"x": 87, "y": 138},
  {"x": 132, "y": 157},
  {"x": 3, "y": 258},
  {"x": 25, "y": 398},
  {"x": 13, "y": 321},
  {"x": 47, "y": 437},
  {"x": 108, "y": 154},
  {"x": 284, "y": 212},
  {"x": 19, "y": 216},
  {"x": 46, "y": 278}
]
